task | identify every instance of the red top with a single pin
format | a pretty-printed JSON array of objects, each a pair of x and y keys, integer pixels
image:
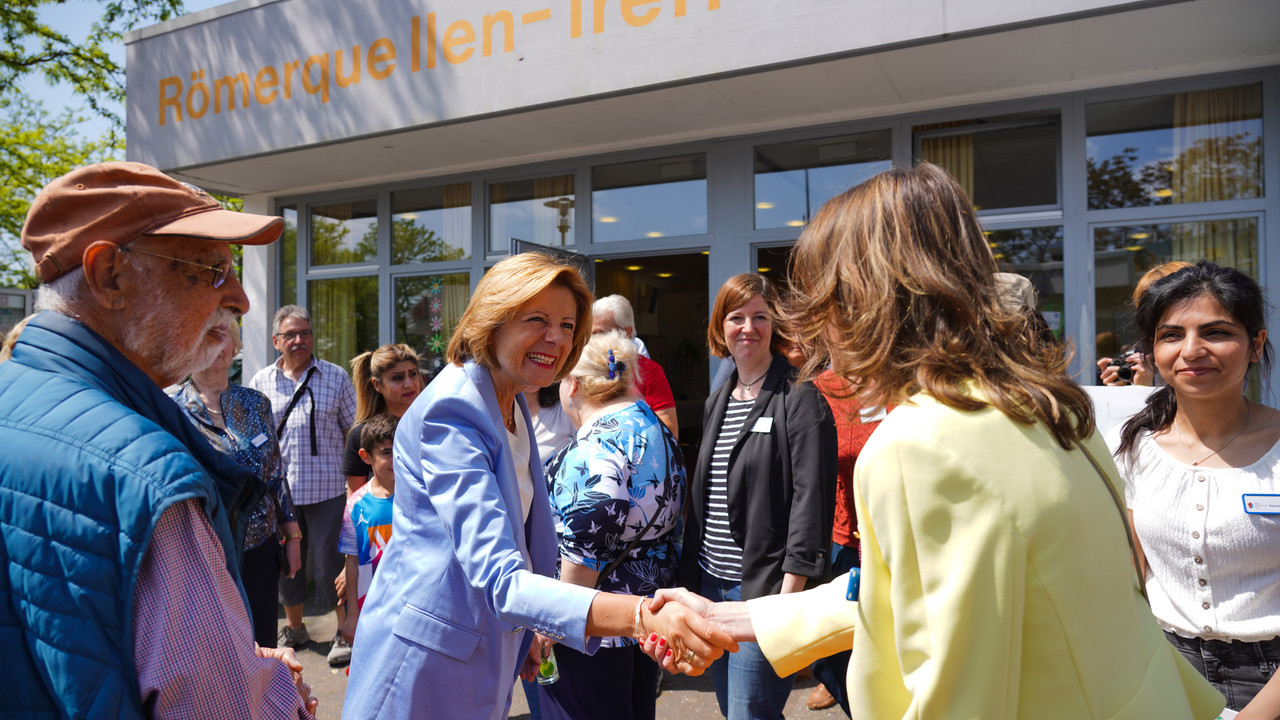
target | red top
[
  {"x": 652, "y": 384},
  {"x": 851, "y": 436}
]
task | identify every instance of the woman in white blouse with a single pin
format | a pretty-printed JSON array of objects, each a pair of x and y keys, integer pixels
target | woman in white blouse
[{"x": 1202, "y": 470}]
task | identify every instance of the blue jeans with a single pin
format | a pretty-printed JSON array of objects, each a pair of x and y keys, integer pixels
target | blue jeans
[
  {"x": 747, "y": 687},
  {"x": 1236, "y": 669}
]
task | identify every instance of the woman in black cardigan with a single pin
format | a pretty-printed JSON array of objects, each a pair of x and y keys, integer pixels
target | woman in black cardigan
[{"x": 763, "y": 495}]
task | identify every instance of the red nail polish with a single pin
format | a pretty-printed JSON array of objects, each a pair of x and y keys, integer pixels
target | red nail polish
[
  {"x": 668, "y": 653},
  {"x": 653, "y": 637},
  {"x": 662, "y": 642}
]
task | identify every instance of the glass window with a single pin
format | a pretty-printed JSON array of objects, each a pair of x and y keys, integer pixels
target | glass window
[
  {"x": 289, "y": 257},
  {"x": 343, "y": 233},
  {"x": 1003, "y": 162},
  {"x": 344, "y": 313},
  {"x": 1035, "y": 253},
  {"x": 792, "y": 180},
  {"x": 431, "y": 225},
  {"x": 652, "y": 198},
  {"x": 427, "y": 309},
  {"x": 539, "y": 211},
  {"x": 1190, "y": 147},
  {"x": 1123, "y": 253}
]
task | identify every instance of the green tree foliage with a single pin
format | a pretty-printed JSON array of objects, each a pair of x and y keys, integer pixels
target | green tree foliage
[
  {"x": 32, "y": 48},
  {"x": 36, "y": 146}
]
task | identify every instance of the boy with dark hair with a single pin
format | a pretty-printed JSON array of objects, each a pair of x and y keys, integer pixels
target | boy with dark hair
[{"x": 366, "y": 522}]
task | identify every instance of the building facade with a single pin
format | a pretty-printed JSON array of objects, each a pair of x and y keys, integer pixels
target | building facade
[{"x": 410, "y": 144}]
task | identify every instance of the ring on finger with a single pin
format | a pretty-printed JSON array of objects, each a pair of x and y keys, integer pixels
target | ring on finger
[{"x": 688, "y": 656}]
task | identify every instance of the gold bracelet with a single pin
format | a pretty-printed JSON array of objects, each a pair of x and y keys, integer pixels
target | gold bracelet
[
  {"x": 639, "y": 630},
  {"x": 292, "y": 536}
]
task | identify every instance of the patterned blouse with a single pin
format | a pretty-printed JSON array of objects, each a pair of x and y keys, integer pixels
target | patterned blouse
[
  {"x": 604, "y": 487},
  {"x": 250, "y": 439}
]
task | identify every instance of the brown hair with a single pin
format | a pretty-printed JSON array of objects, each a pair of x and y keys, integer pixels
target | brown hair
[
  {"x": 733, "y": 294},
  {"x": 500, "y": 295},
  {"x": 370, "y": 365},
  {"x": 592, "y": 370},
  {"x": 894, "y": 282},
  {"x": 1153, "y": 274},
  {"x": 379, "y": 429}
]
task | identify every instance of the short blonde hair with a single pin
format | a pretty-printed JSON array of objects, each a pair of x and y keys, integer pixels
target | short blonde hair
[
  {"x": 500, "y": 295},
  {"x": 236, "y": 342},
  {"x": 592, "y": 370}
]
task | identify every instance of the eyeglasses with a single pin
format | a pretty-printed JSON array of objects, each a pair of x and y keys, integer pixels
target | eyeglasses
[
  {"x": 291, "y": 336},
  {"x": 219, "y": 273}
]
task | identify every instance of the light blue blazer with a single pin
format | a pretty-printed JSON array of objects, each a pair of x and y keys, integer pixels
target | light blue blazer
[{"x": 462, "y": 582}]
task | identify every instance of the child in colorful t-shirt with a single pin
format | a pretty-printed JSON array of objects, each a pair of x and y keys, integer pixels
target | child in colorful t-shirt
[{"x": 366, "y": 522}]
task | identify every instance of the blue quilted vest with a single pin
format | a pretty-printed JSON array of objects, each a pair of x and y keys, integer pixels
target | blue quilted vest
[{"x": 93, "y": 453}]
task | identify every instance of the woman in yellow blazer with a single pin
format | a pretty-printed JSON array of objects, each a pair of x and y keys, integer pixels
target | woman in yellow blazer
[{"x": 997, "y": 576}]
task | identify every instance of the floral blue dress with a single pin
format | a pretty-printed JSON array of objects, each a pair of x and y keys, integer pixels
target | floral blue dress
[{"x": 605, "y": 485}]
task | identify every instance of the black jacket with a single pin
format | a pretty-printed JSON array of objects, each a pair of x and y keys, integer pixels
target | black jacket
[{"x": 781, "y": 484}]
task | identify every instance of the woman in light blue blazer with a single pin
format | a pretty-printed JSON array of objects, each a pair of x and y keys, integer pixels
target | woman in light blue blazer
[{"x": 465, "y": 581}]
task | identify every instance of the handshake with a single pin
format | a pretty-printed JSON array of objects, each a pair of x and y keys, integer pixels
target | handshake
[{"x": 684, "y": 632}]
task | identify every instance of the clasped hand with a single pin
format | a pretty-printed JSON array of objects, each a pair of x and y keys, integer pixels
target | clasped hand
[{"x": 677, "y": 631}]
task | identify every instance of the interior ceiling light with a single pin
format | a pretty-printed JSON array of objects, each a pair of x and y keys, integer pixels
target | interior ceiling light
[
  {"x": 1164, "y": 192},
  {"x": 763, "y": 270},
  {"x": 664, "y": 275},
  {"x": 408, "y": 216},
  {"x": 1135, "y": 248},
  {"x": 1139, "y": 235},
  {"x": 795, "y": 223},
  {"x": 653, "y": 233},
  {"x": 706, "y": 252},
  {"x": 608, "y": 218},
  {"x": 634, "y": 268},
  {"x": 764, "y": 206}
]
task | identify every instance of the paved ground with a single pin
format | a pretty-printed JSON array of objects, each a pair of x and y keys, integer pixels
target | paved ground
[{"x": 682, "y": 697}]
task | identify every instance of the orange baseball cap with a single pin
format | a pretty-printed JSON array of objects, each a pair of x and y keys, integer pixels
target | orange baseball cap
[{"x": 120, "y": 202}]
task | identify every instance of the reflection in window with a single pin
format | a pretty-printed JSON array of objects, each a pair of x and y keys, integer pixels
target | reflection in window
[
  {"x": 427, "y": 309},
  {"x": 431, "y": 224},
  {"x": 1004, "y": 162},
  {"x": 652, "y": 198},
  {"x": 343, "y": 233},
  {"x": 289, "y": 257},
  {"x": 1123, "y": 253},
  {"x": 1190, "y": 147},
  {"x": 539, "y": 211},
  {"x": 792, "y": 180},
  {"x": 1035, "y": 253},
  {"x": 344, "y": 313}
]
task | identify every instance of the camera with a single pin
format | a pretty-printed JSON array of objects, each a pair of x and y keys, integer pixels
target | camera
[{"x": 1124, "y": 369}]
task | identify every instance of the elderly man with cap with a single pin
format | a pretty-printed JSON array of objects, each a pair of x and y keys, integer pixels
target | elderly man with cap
[{"x": 120, "y": 526}]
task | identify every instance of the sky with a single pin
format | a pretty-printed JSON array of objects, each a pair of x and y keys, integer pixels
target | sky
[{"x": 74, "y": 18}]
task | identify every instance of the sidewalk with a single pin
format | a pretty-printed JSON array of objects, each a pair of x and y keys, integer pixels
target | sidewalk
[{"x": 682, "y": 697}]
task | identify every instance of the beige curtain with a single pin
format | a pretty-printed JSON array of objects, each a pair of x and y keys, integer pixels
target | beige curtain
[
  {"x": 333, "y": 313},
  {"x": 457, "y": 215},
  {"x": 1216, "y": 144},
  {"x": 954, "y": 153},
  {"x": 1231, "y": 243}
]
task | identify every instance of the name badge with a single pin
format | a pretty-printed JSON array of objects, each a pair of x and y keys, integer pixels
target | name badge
[
  {"x": 257, "y": 442},
  {"x": 855, "y": 584},
  {"x": 870, "y": 415},
  {"x": 1261, "y": 504},
  {"x": 763, "y": 425}
]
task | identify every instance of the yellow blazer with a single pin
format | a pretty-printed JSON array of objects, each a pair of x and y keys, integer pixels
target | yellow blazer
[{"x": 997, "y": 582}]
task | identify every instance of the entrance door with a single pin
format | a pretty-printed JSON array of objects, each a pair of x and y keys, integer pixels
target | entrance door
[{"x": 669, "y": 296}]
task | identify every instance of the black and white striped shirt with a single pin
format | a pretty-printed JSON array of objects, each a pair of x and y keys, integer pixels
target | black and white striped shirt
[{"x": 721, "y": 556}]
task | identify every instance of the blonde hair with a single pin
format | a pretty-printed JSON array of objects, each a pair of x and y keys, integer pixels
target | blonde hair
[
  {"x": 369, "y": 366},
  {"x": 500, "y": 295},
  {"x": 1159, "y": 272},
  {"x": 11, "y": 338},
  {"x": 894, "y": 282},
  {"x": 592, "y": 370}
]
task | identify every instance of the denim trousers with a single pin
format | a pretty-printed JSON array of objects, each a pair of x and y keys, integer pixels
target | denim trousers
[
  {"x": 1236, "y": 669},
  {"x": 747, "y": 687}
]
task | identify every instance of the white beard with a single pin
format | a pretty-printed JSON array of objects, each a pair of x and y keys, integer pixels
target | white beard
[{"x": 154, "y": 333}]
